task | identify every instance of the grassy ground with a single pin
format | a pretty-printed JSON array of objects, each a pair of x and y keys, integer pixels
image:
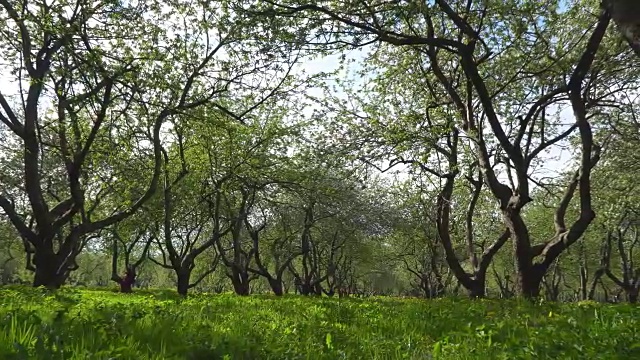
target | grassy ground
[{"x": 90, "y": 324}]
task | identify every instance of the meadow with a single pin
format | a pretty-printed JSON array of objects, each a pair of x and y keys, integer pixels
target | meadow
[{"x": 102, "y": 324}]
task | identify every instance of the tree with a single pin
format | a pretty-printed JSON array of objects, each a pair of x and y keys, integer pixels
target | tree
[
  {"x": 625, "y": 15},
  {"x": 276, "y": 230},
  {"x": 186, "y": 234},
  {"x": 90, "y": 95},
  {"x": 626, "y": 240},
  {"x": 500, "y": 96},
  {"x": 127, "y": 239},
  {"x": 617, "y": 195},
  {"x": 96, "y": 77}
]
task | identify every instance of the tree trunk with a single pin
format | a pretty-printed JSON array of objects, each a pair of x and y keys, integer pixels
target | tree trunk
[
  {"x": 240, "y": 288},
  {"x": 530, "y": 282},
  {"x": 126, "y": 286},
  {"x": 596, "y": 279},
  {"x": 183, "y": 281},
  {"x": 304, "y": 289},
  {"x": 127, "y": 282},
  {"x": 317, "y": 289},
  {"x": 584, "y": 295},
  {"x": 240, "y": 283},
  {"x": 276, "y": 286},
  {"x": 528, "y": 276},
  {"x": 47, "y": 277},
  {"x": 47, "y": 270},
  {"x": 626, "y": 14},
  {"x": 477, "y": 290}
]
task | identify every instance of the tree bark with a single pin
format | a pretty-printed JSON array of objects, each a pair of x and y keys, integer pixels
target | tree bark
[
  {"x": 531, "y": 283},
  {"x": 276, "y": 286},
  {"x": 52, "y": 269},
  {"x": 183, "y": 278},
  {"x": 47, "y": 271},
  {"x": 478, "y": 288},
  {"x": 528, "y": 276},
  {"x": 626, "y": 15},
  {"x": 240, "y": 282}
]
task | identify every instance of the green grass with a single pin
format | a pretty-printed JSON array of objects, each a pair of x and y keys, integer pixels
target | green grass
[{"x": 96, "y": 324}]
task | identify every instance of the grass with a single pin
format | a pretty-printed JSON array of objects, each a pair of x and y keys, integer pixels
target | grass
[{"x": 101, "y": 324}]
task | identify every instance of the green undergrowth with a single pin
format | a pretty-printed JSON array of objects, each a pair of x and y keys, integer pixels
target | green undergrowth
[{"x": 101, "y": 324}]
